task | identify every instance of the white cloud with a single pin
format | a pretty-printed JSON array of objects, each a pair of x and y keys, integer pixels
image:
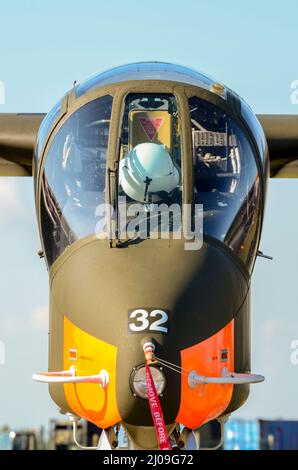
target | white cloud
[
  {"x": 267, "y": 355},
  {"x": 14, "y": 327},
  {"x": 10, "y": 327},
  {"x": 2, "y": 353},
  {"x": 10, "y": 199},
  {"x": 40, "y": 318}
]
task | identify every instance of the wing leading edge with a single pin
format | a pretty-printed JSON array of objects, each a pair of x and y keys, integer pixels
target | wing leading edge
[
  {"x": 282, "y": 136},
  {"x": 17, "y": 137}
]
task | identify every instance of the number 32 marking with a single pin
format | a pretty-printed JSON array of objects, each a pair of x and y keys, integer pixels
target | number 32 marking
[{"x": 141, "y": 320}]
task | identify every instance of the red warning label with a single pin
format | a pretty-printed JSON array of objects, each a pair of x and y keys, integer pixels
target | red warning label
[
  {"x": 151, "y": 126},
  {"x": 73, "y": 354}
]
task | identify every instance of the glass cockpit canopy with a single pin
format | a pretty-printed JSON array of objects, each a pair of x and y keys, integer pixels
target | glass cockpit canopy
[
  {"x": 151, "y": 169},
  {"x": 147, "y": 71},
  {"x": 226, "y": 178},
  {"x": 74, "y": 177}
]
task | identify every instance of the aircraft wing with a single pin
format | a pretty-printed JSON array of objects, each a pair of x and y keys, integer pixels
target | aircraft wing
[
  {"x": 282, "y": 136},
  {"x": 17, "y": 137},
  {"x": 18, "y": 134}
]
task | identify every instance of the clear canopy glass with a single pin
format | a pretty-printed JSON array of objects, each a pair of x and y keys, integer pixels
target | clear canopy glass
[
  {"x": 226, "y": 178},
  {"x": 146, "y": 71},
  {"x": 151, "y": 173},
  {"x": 74, "y": 178}
]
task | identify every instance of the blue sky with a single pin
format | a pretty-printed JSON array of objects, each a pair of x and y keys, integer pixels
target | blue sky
[{"x": 250, "y": 46}]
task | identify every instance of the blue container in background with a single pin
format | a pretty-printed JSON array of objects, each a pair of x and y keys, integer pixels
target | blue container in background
[
  {"x": 242, "y": 435},
  {"x": 279, "y": 435},
  {"x": 5, "y": 441}
]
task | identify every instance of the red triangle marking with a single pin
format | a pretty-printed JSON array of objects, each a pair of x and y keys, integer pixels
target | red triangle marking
[{"x": 151, "y": 126}]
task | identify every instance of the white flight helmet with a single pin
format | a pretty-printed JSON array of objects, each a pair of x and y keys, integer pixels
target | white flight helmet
[{"x": 148, "y": 170}]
